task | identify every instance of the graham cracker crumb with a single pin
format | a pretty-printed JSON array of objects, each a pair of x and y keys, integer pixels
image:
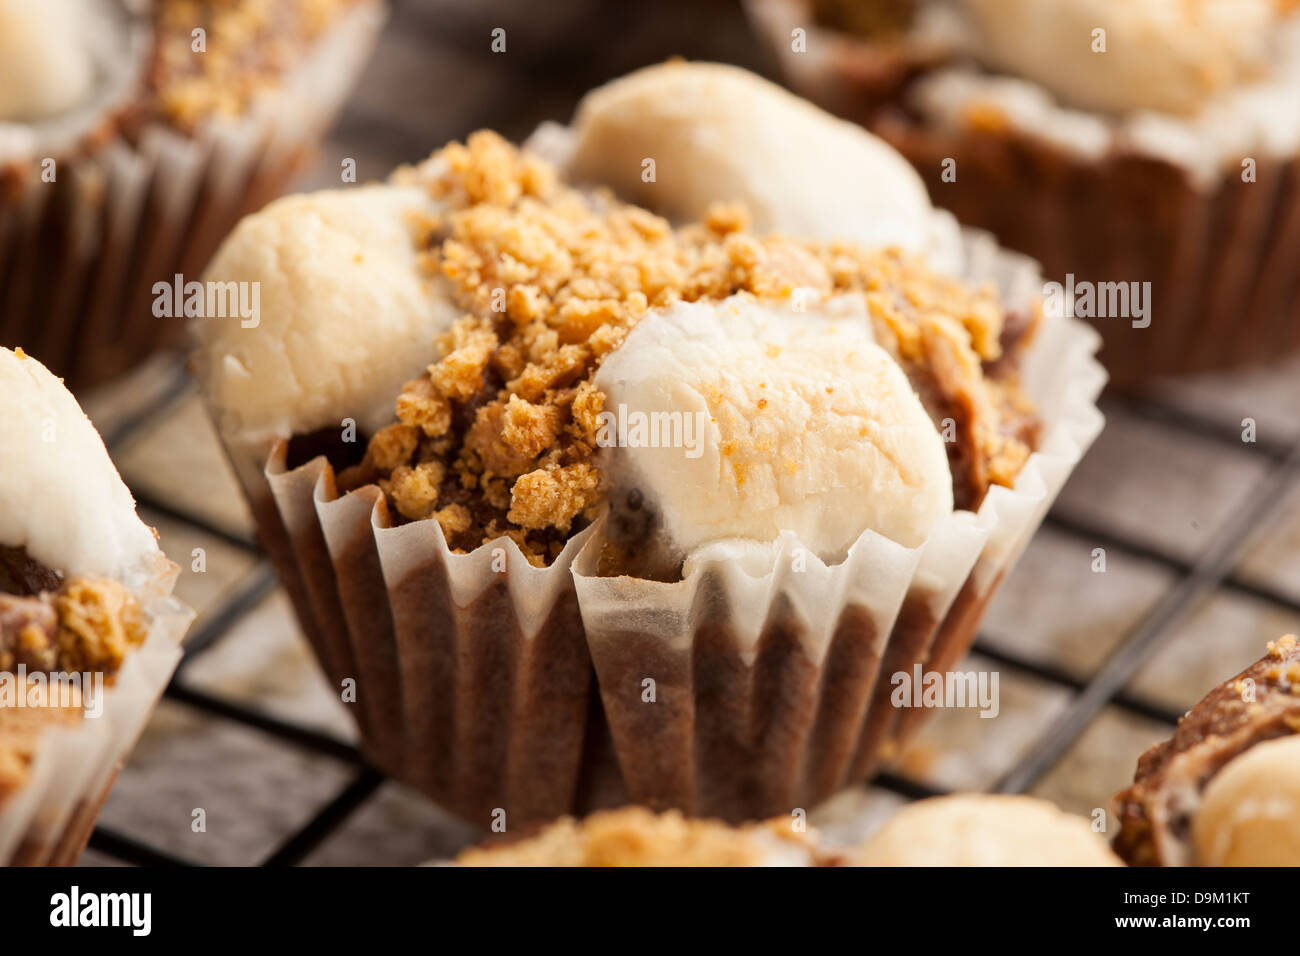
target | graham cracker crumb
[
  {"x": 633, "y": 836},
  {"x": 552, "y": 279}
]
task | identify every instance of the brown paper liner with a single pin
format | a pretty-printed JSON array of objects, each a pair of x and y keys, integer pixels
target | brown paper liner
[
  {"x": 466, "y": 708},
  {"x": 455, "y": 700},
  {"x": 79, "y": 256},
  {"x": 67, "y": 849},
  {"x": 1220, "y": 258}
]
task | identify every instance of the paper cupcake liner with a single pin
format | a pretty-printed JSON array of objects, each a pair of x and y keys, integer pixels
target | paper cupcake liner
[
  {"x": 474, "y": 673},
  {"x": 48, "y": 820},
  {"x": 1219, "y": 256},
  {"x": 79, "y": 256}
]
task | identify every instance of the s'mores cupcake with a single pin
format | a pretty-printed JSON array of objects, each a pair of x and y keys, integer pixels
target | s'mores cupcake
[
  {"x": 634, "y": 836},
  {"x": 959, "y": 830},
  {"x": 984, "y": 830},
  {"x": 133, "y": 135},
  {"x": 600, "y": 503},
  {"x": 1225, "y": 789},
  {"x": 1140, "y": 147},
  {"x": 89, "y": 634}
]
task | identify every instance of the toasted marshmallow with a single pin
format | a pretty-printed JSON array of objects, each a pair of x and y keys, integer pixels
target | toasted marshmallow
[
  {"x": 1250, "y": 812},
  {"x": 46, "y": 66},
  {"x": 1159, "y": 54},
  {"x": 985, "y": 830},
  {"x": 60, "y": 496},
  {"x": 346, "y": 315},
  {"x": 721, "y": 134},
  {"x": 743, "y": 419}
]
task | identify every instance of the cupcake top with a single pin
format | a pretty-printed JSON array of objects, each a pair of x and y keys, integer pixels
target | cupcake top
[
  {"x": 61, "y": 499},
  {"x": 46, "y": 64},
  {"x": 1168, "y": 55},
  {"x": 718, "y": 133},
  {"x": 984, "y": 830},
  {"x": 702, "y": 380},
  {"x": 1223, "y": 791},
  {"x": 634, "y": 836},
  {"x": 72, "y": 72}
]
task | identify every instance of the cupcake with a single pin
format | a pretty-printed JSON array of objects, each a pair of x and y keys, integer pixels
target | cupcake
[
  {"x": 984, "y": 830},
  {"x": 1225, "y": 789},
  {"x": 89, "y": 634},
  {"x": 962, "y": 830},
  {"x": 634, "y": 836},
  {"x": 1144, "y": 152},
  {"x": 582, "y": 502},
  {"x": 133, "y": 135}
]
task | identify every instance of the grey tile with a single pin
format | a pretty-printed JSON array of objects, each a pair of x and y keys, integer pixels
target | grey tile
[
  {"x": 265, "y": 663},
  {"x": 395, "y": 827},
  {"x": 1272, "y": 559},
  {"x": 1226, "y": 634},
  {"x": 1056, "y": 610},
  {"x": 1101, "y": 763},
  {"x": 958, "y": 749},
  {"x": 178, "y": 460},
  {"x": 254, "y": 791},
  {"x": 207, "y": 578},
  {"x": 1164, "y": 487},
  {"x": 1266, "y": 393}
]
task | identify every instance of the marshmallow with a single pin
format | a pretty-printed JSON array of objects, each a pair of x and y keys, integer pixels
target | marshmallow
[
  {"x": 1163, "y": 55},
  {"x": 60, "y": 496},
  {"x": 985, "y": 830},
  {"x": 45, "y": 62},
  {"x": 1250, "y": 812},
  {"x": 719, "y": 133},
  {"x": 346, "y": 315},
  {"x": 786, "y": 421}
]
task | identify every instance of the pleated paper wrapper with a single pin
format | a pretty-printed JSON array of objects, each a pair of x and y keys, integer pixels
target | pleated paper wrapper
[
  {"x": 48, "y": 820},
  {"x": 79, "y": 257},
  {"x": 493, "y": 685}
]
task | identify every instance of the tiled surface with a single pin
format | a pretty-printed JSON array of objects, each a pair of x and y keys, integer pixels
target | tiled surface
[{"x": 1165, "y": 490}]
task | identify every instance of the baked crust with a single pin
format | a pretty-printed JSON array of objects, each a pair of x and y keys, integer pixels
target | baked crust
[
  {"x": 1156, "y": 812},
  {"x": 634, "y": 836},
  {"x": 499, "y": 436}
]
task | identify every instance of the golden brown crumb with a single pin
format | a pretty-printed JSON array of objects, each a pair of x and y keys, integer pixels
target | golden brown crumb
[
  {"x": 248, "y": 46},
  {"x": 20, "y": 731},
  {"x": 552, "y": 279},
  {"x": 88, "y": 624},
  {"x": 633, "y": 836}
]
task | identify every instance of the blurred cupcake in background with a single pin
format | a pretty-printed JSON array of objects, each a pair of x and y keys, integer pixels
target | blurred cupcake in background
[
  {"x": 89, "y": 634},
  {"x": 450, "y": 426},
  {"x": 133, "y": 135},
  {"x": 1224, "y": 790},
  {"x": 960, "y": 830},
  {"x": 1120, "y": 143}
]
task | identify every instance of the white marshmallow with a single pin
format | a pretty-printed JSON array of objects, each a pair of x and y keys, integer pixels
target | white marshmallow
[
  {"x": 60, "y": 496},
  {"x": 45, "y": 61},
  {"x": 719, "y": 133},
  {"x": 346, "y": 314},
  {"x": 802, "y": 423}
]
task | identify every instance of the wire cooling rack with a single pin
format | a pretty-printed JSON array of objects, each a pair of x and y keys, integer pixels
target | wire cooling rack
[
  {"x": 437, "y": 44},
  {"x": 1191, "y": 580}
]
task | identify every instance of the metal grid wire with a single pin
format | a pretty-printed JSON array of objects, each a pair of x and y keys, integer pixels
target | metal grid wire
[{"x": 1192, "y": 580}]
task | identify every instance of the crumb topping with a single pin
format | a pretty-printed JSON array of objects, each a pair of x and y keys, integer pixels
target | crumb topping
[
  {"x": 498, "y": 437},
  {"x": 249, "y": 45},
  {"x": 48, "y": 624},
  {"x": 633, "y": 836}
]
